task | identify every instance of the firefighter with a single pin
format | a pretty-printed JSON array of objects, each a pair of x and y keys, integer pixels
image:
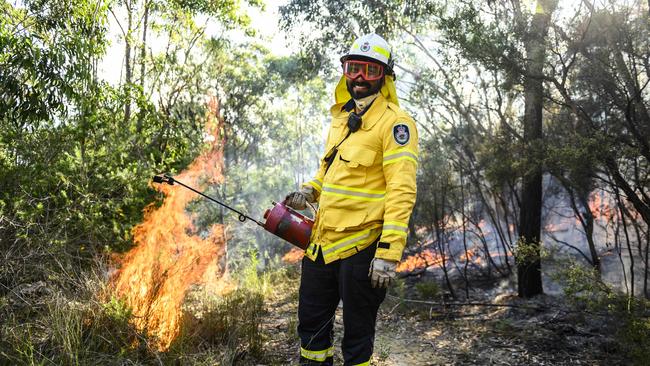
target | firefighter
[{"x": 365, "y": 189}]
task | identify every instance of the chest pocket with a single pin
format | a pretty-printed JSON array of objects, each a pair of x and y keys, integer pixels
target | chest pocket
[
  {"x": 353, "y": 162},
  {"x": 354, "y": 156}
]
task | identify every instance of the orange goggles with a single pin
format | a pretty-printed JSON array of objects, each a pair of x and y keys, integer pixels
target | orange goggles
[{"x": 369, "y": 71}]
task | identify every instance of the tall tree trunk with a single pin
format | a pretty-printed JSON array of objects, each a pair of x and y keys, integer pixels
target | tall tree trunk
[
  {"x": 441, "y": 238},
  {"x": 462, "y": 210},
  {"x": 587, "y": 220},
  {"x": 645, "y": 269},
  {"x": 143, "y": 57},
  {"x": 530, "y": 217},
  {"x": 128, "y": 68}
]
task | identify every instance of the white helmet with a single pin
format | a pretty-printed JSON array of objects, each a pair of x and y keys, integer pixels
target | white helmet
[{"x": 372, "y": 47}]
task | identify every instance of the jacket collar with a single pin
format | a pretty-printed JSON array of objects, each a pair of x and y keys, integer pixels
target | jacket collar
[
  {"x": 374, "y": 112},
  {"x": 370, "y": 118}
]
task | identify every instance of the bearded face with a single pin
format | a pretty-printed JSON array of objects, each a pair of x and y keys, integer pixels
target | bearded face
[{"x": 360, "y": 88}]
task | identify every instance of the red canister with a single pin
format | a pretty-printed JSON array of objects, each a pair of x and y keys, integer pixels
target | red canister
[{"x": 288, "y": 224}]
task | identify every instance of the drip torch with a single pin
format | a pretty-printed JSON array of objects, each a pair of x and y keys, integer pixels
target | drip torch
[{"x": 281, "y": 220}]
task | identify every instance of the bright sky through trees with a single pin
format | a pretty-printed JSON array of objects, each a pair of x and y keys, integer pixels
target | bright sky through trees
[{"x": 265, "y": 22}]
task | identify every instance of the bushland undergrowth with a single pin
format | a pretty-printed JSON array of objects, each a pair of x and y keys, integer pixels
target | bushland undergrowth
[
  {"x": 90, "y": 326},
  {"x": 585, "y": 290}
]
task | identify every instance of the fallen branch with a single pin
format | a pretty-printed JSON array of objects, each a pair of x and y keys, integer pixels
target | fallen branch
[
  {"x": 413, "y": 273},
  {"x": 487, "y": 304}
]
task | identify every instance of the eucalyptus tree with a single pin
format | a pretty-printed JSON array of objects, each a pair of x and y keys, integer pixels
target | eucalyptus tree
[
  {"x": 529, "y": 269},
  {"x": 49, "y": 101},
  {"x": 595, "y": 76},
  {"x": 607, "y": 59}
]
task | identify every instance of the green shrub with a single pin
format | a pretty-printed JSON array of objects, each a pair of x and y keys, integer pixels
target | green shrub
[
  {"x": 427, "y": 290},
  {"x": 584, "y": 288},
  {"x": 635, "y": 335}
]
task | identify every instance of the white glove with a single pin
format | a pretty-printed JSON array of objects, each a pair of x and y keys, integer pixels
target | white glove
[
  {"x": 298, "y": 200},
  {"x": 381, "y": 272}
]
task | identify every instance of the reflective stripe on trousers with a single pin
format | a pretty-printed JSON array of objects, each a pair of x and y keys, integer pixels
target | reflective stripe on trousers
[{"x": 318, "y": 356}]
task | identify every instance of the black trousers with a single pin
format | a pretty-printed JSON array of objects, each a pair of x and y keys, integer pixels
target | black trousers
[{"x": 321, "y": 287}]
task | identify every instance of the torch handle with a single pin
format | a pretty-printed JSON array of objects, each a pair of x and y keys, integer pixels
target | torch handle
[{"x": 166, "y": 178}]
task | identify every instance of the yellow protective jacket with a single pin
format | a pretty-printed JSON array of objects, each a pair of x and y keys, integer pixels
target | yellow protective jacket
[{"x": 369, "y": 189}]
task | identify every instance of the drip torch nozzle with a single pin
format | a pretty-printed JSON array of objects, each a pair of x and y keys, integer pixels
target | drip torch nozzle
[
  {"x": 163, "y": 178},
  {"x": 166, "y": 178}
]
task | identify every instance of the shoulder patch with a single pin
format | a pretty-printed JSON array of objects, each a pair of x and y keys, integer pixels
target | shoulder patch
[{"x": 401, "y": 134}]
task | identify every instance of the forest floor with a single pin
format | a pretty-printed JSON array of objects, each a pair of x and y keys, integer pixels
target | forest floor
[
  {"x": 257, "y": 326},
  {"x": 540, "y": 331}
]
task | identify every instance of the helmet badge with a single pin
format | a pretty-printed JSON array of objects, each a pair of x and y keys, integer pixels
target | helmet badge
[{"x": 365, "y": 47}]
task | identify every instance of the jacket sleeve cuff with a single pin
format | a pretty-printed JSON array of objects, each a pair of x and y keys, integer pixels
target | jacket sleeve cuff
[
  {"x": 317, "y": 185},
  {"x": 392, "y": 241},
  {"x": 394, "y": 253},
  {"x": 387, "y": 251}
]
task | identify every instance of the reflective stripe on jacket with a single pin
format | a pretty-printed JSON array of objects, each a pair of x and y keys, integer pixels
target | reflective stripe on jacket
[{"x": 369, "y": 189}]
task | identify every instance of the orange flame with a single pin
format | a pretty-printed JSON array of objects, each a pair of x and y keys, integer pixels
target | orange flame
[
  {"x": 472, "y": 256},
  {"x": 428, "y": 258},
  {"x": 601, "y": 206},
  {"x": 293, "y": 256},
  {"x": 421, "y": 260},
  {"x": 169, "y": 257},
  {"x": 604, "y": 207}
]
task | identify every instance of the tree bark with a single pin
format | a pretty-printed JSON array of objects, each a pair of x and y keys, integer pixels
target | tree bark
[
  {"x": 143, "y": 58},
  {"x": 529, "y": 267},
  {"x": 587, "y": 220},
  {"x": 462, "y": 210},
  {"x": 645, "y": 269},
  {"x": 128, "y": 68}
]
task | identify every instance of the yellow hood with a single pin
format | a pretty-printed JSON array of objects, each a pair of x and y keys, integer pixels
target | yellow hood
[{"x": 342, "y": 95}]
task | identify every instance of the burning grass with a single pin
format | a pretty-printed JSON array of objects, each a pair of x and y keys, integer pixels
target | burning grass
[
  {"x": 155, "y": 277},
  {"x": 293, "y": 256},
  {"x": 420, "y": 260},
  {"x": 90, "y": 326}
]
